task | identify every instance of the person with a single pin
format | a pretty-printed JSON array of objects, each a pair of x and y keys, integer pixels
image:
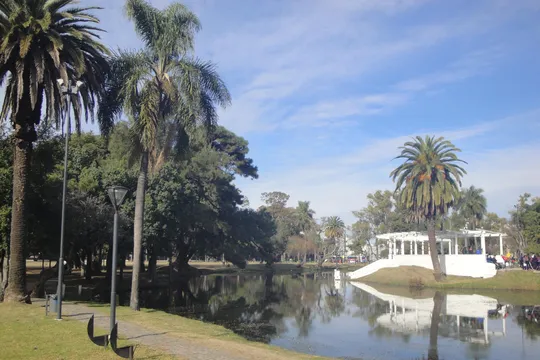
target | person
[{"x": 526, "y": 262}]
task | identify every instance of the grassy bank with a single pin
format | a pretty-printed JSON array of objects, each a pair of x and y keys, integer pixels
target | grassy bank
[
  {"x": 205, "y": 334},
  {"x": 25, "y": 333},
  {"x": 504, "y": 280},
  {"x": 278, "y": 268}
]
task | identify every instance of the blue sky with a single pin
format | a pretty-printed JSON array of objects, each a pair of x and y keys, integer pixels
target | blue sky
[{"x": 326, "y": 90}]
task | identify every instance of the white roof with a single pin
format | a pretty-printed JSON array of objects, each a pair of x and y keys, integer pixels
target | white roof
[{"x": 441, "y": 235}]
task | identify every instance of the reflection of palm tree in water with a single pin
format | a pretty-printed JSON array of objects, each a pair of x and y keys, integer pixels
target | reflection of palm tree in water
[{"x": 434, "y": 330}]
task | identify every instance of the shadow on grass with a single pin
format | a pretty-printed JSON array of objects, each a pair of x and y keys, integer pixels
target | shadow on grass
[{"x": 145, "y": 335}]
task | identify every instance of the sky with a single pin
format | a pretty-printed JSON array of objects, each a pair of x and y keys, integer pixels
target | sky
[{"x": 325, "y": 91}]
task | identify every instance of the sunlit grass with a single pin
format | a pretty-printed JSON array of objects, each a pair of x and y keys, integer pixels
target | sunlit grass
[
  {"x": 26, "y": 333},
  {"x": 202, "y": 334}
]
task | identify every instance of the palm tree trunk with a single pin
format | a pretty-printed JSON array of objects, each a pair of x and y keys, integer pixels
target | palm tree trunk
[
  {"x": 433, "y": 353},
  {"x": 138, "y": 223},
  {"x": 433, "y": 251},
  {"x": 16, "y": 288}
]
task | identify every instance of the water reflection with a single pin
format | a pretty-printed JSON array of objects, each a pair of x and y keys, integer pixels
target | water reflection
[{"x": 314, "y": 314}]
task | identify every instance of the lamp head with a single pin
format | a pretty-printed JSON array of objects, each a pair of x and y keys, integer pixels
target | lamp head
[
  {"x": 79, "y": 83},
  {"x": 117, "y": 194},
  {"x": 60, "y": 82}
]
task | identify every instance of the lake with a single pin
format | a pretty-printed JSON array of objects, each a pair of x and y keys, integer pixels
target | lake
[{"x": 315, "y": 314}]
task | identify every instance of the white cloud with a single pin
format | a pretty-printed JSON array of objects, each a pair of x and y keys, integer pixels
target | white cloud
[
  {"x": 306, "y": 50},
  {"x": 338, "y": 185}
]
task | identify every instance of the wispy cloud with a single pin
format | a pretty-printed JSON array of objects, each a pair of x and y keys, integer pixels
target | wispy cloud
[{"x": 337, "y": 185}]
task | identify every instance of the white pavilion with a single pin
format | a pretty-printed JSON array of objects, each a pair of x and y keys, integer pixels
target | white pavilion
[
  {"x": 415, "y": 243},
  {"x": 412, "y": 249}
]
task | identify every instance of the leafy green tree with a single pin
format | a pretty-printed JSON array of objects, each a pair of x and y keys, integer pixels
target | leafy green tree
[
  {"x": 429, "y": 181},
  {"x": 284, "y": 217},
  {"x": 42, "y": 41},
  {"x": 164, "y": 91},
  {"x": 306, "y": 221},
  {"x": 472, "y": 205},
  {"x": 383, "y": 214},
  {"x": 524, "y": 226}
]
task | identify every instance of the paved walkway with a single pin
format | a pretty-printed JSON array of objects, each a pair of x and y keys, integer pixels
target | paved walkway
[{"x": 173, "y": 345}]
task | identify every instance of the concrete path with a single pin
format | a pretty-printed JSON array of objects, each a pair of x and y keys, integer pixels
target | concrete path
[{"x": 173, "y": 345}]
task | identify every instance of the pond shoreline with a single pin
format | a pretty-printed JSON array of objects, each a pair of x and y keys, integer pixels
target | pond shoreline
[{"x": 419, "y": 278}]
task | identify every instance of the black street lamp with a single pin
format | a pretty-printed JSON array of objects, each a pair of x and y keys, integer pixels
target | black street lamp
[
  {"x": 117, "y": 194},
  {"x": 68, "y": 90}
]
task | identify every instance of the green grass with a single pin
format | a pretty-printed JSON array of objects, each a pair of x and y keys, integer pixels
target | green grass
[
  {"x": 198, "y": 332},
  {"x": 504, "y": 280},
  {"x": 26, "y": 333}
]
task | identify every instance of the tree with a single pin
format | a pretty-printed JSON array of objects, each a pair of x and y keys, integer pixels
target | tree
[
  {"x": 284, "y": 218},
  {"x": 524, "y": 226},
  {"x": 42, "y": 41},
  {"x": 165, "y": 92},
  {"x": 305, "y": 222},
  {"x": 334, "y": 229},
  {"x": 472, "y": 205},
  {"x": 429, "y": 181}
]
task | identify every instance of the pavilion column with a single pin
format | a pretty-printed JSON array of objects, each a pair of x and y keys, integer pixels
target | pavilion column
[
  {"x": 423, "y": 253},
  {"x": 402, "y": 247},
  {"x": 395, "y": 247},
  {"x": 501, "y": 252},
  {"x": 483, "y": 243},
  {"x": 415, "y": 248},
  {"x": 441, "y": 246},
  {"x": 456, "y": 246},
  {"x": 389, "y": 249}
]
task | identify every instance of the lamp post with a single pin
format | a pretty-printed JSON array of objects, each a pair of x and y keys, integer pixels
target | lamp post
[
  {"x": 117, "y": 194},
  {"x": 67, "y": 90}
]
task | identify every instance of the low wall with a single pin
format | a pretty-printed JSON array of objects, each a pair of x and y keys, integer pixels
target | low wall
[{"x": 458, "y": 265}]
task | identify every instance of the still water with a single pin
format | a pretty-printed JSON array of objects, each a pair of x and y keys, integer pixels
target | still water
[{"x": 317, "y": 315}]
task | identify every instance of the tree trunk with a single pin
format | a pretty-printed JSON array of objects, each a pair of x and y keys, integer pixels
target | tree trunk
[
  {"x": 16, "y": 288},
  {"x": 152, "y": 265},
  {"x": 439, "y": 276},
  {"x": 4, "y": 266},
  {"x": 88, "y": 270},
  {"x": 138, "y": 223},
  {"x": 434, "y": 330}
]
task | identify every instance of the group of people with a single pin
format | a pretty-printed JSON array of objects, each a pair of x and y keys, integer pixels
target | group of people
[{"x": 529, "y": 262}]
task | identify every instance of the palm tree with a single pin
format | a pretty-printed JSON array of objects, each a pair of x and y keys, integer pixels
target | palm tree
[
  {"x": 334, "y": 229},
  {"x": 164, "y": 91},
  {"x": 472, "y": 205},
  {"x": 429, "y": 182},
  {"x": 40, "y": 42}
]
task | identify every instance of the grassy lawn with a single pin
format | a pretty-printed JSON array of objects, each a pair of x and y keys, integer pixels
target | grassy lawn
[
  {"x": 27, "y": 334},
  {"x": 504, "y": 280},
  {"x": 205, "y": 334}
]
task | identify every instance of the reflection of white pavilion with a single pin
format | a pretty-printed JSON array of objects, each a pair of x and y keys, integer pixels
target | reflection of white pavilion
[
  {"x": 410, "y": 315},
  {"x": 412, "y": 249}
]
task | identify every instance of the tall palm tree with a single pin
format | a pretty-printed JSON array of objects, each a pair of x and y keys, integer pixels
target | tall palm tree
[
  {"x": 334, "y": 229},
  {"x": 472, "y": 205},
  {"x": 40, "y": 42},
  {"x": 164, "y": 91},
  {"x": 429, "y": 181}
]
